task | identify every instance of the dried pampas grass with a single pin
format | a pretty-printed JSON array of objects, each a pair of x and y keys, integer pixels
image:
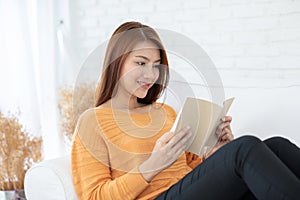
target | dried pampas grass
[
  {"x": 18, "y": 151},
  {"x": 71, "y": 104}
]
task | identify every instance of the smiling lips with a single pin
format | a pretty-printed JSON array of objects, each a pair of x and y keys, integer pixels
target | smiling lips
[{"x": 144, "y": 85}]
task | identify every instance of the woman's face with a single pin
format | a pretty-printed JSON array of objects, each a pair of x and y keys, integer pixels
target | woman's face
[{"x": 140, "y": 70}]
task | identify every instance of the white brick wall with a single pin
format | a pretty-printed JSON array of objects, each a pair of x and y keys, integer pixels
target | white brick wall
[
  {"x": 256, "y": 36},
  {"x": 255, "y": 44}
]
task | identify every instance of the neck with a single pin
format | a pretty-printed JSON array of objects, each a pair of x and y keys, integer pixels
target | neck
[{"x": 127, "y": 103}]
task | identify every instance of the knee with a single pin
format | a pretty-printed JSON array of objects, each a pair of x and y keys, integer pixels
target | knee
[
  {"x": 248, "y": 140},
  {"x": 276, "y": 140},
  {"x": 242, "y": 148},
  {"x": 245, "y": 143}
]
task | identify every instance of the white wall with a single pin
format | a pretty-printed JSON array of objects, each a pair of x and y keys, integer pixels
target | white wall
[{"x": 255, "y": 45}]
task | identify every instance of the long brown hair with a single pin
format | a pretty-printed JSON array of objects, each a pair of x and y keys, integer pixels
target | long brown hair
[{"x": 122, "y": 42}]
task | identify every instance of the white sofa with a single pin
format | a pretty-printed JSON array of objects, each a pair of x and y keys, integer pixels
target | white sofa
[{"x": 50, "y": 180}]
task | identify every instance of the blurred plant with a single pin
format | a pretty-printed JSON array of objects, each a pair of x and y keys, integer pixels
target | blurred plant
[
  {"x": 18, "y": 152},
  {"x": 70, "y": 106}
]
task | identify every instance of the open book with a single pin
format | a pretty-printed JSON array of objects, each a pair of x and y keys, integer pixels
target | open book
[{"x": 203, "y": 117}]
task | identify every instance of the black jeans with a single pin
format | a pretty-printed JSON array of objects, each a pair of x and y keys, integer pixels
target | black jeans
[{"x": 246, "y": 168}]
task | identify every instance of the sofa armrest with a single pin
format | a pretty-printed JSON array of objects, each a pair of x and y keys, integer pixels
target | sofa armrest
[{"x": 50, "y": 179}]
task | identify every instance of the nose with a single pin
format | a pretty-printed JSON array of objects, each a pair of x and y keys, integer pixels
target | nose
[{"x": 150, "y": 72}]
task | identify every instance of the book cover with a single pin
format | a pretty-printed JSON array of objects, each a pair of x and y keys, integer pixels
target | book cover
[{"x": 203, "y": 117}]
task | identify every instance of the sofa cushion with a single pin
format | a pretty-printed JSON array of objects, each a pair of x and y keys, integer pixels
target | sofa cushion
[{"x": 50, "y": 179}]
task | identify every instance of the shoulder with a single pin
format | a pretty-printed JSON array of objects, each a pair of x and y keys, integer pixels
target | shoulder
[
  {"x": 90, "y": 119},
  {"x": 88, "y": 138},
  {"x": 92, "y": 114},
  {"x": 87, "y": 116},
  {"x": 88, "y": 129}
]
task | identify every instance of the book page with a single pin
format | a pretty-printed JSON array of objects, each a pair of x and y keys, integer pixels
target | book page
[
  {"x": 203, "y": 117},
  {"x": 212, "y": 138}
]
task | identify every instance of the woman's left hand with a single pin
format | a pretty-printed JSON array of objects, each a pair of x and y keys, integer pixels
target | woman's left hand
[
  {"x": 224, "y": 133},
  {"x": 224, "y": 130}
]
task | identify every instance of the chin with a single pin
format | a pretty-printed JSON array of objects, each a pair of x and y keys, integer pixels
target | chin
[{"x": 141, "y": 95}]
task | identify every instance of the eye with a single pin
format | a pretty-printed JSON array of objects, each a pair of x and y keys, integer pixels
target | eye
[
  {"x": 157, "y": 66},
  {"x": 141, "y": 63}
]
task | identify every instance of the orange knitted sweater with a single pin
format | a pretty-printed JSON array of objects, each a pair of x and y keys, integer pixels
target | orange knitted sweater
[{"x": 109, "y": 145}]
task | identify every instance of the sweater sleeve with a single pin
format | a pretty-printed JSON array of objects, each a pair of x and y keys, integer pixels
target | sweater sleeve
[
  {"x": 193, "y": 160},
  {"x": 91, "y": 171}
]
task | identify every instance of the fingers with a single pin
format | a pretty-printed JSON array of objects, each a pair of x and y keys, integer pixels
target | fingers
[
  {"x": 221, "y": 127},
  {"x": 182, "y": 136},
  {"x": 182, "y": 143},
  {"x": 225, "y": 123},
  {"x": 165, "y": 138},
  {"x": 167, "y": 149},
  {"x": 226, "y": 135},
  {"x": 172, "y": 146},
  {"x": 226, "y": 119},
  {"x": 224, "y": 129},
  {"x": 178, "y": 151},
  {"x": 172, "y": 139}
]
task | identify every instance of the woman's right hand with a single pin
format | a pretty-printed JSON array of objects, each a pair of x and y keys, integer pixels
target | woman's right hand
[{"x": 165, "y": 152}]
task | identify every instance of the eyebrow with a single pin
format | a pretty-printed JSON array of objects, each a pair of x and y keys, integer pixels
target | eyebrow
[{"x": 139, "y": 56}]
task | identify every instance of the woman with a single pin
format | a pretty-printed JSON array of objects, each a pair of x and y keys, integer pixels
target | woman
[{"x": 122, "y": 148}]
